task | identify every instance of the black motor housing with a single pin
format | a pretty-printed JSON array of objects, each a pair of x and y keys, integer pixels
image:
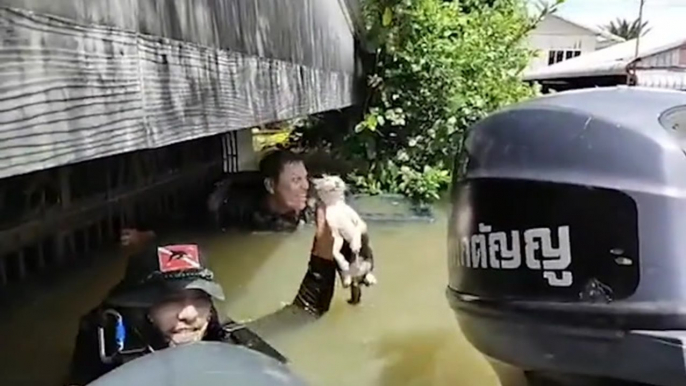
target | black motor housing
[{"x": 567, "y": 238}]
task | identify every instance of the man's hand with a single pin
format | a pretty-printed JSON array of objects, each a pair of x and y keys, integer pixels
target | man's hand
[{"x": 322, "y": 246}]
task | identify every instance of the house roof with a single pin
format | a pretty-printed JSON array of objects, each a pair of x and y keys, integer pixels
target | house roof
[
  {"x": 613, "y": 60},
  {"x": 598, "y": 31}
]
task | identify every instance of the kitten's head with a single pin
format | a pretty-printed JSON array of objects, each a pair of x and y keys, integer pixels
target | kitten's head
[{"x": 330, "y": 189}]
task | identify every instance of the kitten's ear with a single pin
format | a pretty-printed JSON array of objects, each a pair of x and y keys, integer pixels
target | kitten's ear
[{"x": 269, "y": 185}]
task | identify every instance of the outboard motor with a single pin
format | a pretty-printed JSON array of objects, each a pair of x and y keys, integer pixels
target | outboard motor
[{"x": 567, "y": 243}]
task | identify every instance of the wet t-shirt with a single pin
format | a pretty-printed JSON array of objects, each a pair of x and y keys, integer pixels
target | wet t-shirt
[{"x": 244, "y": 206}]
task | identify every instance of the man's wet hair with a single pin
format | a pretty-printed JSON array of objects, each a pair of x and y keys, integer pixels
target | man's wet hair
[{"x": 273, "y": 163}]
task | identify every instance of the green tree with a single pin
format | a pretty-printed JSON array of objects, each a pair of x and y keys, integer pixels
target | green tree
[
  {"x": 437, "y": 67},
  {"x": 627, "y": 29}
]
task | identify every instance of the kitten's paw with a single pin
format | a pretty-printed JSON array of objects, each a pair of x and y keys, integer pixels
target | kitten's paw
[
  {"x": 347, "y": 281},
  {"x": 370, "y": 279}
]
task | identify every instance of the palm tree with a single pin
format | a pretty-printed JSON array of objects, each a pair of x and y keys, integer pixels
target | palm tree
[{"x": 626, "y": 29}]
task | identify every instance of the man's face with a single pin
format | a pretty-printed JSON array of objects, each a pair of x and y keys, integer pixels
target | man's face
[
  {"x": 291, "y": 188},
  {"x": 183, "y": 317}
]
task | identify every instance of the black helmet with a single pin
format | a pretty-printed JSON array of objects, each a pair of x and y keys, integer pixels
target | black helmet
[{"x": 157, "y": 271}]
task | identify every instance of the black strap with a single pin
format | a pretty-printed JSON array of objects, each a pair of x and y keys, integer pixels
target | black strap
[
  {"x": 317, "y": 288},
  {"x": 157, "y": 276},
  {"x": 243, "y": 336}
]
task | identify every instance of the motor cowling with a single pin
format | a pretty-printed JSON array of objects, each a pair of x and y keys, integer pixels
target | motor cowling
[{"x": 565, "y": 237}]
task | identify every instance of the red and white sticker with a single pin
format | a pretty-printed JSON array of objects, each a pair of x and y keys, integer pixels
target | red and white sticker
[{"x": 178, "y": 257}]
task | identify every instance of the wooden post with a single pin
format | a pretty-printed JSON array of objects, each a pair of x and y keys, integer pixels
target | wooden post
[
  {"x": 60, "y": 248},
  {"x": 61, "y": 239},
  {"x": 71, "y": 241},
  {"x": 86, "y": 239},
  {"x": 109, "y": 231},
  {"x": 101, "y": 231},
  {"x": 127, "y": 215},
  {"x": 138, "y": 168},
  {"x": 171, "y": 206},
  {"x": 162, "y": 204},
  {"x": 21, "y": 264},
  {"x": 3, "y": 271},
  {"x": 121, "y": 178},
  {"x": 40, "y": 256},
  {"x": 123, "y": 218}
]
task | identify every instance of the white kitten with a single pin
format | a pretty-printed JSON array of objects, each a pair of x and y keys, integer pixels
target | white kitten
[{"x": 346, "y": 225}]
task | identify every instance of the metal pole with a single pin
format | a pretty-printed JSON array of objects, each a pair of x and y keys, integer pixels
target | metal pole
[
  {"x": 632, "y": 70},
  {"x": 640, "y": 23}
]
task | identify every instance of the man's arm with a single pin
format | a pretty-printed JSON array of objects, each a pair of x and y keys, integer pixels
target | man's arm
[
  {"x": 322, "y": 245},
  {"x": 238, "y": 333}
]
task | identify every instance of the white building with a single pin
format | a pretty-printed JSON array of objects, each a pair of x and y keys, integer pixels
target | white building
[
  {"x": 660, "y": 62},
  {"x": 557, "y": 39}
]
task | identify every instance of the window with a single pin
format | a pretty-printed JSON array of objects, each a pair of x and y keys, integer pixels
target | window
[
  {"x": 229, "y": 143},
  {"x": 557, "y": 56}
]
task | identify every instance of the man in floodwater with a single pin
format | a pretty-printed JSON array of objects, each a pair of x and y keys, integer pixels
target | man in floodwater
[
  {"x": 165, "y": 299},
  {"x": 276, "y": 199}
]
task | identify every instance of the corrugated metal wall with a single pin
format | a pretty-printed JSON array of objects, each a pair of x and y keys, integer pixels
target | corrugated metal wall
[
  {"x": 83, "y": 79},
  {"x": 664, "y": 59}
]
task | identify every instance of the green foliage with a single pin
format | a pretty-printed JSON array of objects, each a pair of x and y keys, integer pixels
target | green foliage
[
  {"x": 627, "y": 29},
  {"x": 419, "y": 186},
  {"x": 438, "y": 66}
]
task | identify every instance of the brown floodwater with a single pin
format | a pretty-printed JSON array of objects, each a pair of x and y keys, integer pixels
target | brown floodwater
[{"x": 402, "y": 334}]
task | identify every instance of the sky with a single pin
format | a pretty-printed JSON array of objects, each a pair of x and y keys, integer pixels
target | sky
[{"x": 662, "y": 15}]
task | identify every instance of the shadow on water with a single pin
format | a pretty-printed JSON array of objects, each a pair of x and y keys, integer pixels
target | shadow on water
[
  {"x": 422, "y": 358},
  {"x": 37, "y": 339},
  {"x": 245, "y": 254}
]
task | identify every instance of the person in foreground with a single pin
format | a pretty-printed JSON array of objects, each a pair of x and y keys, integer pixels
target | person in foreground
[{"x": 165, "y": 299}]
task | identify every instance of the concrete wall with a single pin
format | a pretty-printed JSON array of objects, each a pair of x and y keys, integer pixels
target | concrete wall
[
  {"x": 248, "y": 159},
  {"x": 83, "y": 79}
]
